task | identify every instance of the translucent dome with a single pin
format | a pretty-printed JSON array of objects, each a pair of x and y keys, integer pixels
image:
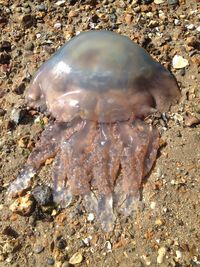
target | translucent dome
[{"x": 104, "y": 77}]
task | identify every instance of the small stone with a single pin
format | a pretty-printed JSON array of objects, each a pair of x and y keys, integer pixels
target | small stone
[
  {"x": 5, "y": 46},
  {"x": 146, "y": 260},
  {"x": 66, "y": 264},
  {"x": 29, "y": 46},
  {"x": 60, "y": 3},
  {"x": 146, "y": 2},
  {"x": 41, "y": 7},
  {"x": 20, "y": 89},
  {"x": 108, "y": 246},
  {"x": 178, "y": 254},
  {"x": 50, "y": 261},
  {"x": 158, "y": 222},
  {"x": 61, "y": 244},
  {"x": 178, "y": 62},
  {"x": 38, "y": 249},
  {"x": 191, "y": 41},
  {"x": 28, "y": 21},
  {"x": 57, "y": 25},
  {"x": 153, "y": 205},
  {"x": 153, "y": 24},
  {"x": 177, "y": 22},
  {"x": 2, "y": 112},
  {"x": 73, "y": 13},
  {"x": 5, "y": 58},
  {"x": 128, "y": 18},
  {"x": 158, "y": 2},
  {"x": 190, "y": 27},
  {"x": 182, "y": 72},
  {"x": 161, "y": 254},
  {"x": 191, "y": 120},
  {"x": 76, "y": 258},
  {"x": 162, "y": 15},
  {"x": 16, "y": 115},
  {"x": 172, "y": 2},
  {"x": 43, "y": 195},
  {"x": 198, "y": 29},
  {"x": 90, "y": 217},
  {"x": 23, "y": 205}
]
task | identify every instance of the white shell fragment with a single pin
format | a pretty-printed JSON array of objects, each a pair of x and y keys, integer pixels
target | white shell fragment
[{"x": 178, "y": 62}]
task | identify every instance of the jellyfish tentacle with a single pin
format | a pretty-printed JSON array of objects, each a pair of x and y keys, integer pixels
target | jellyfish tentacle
[
  {"x": 78, "y": 149},
  {"x": 136, "y": 142},
  {"x": 45, "y": 148},
  {"x": 62, "y": 193},
  {"x": 48, "y": 145},
  {"x": 105, "y": 168}
]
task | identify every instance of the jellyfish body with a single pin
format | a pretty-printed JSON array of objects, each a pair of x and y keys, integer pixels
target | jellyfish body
[{"x": 99, "y": 87}]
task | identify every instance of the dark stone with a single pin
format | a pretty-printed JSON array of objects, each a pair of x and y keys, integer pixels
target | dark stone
[
  {"x": 28, "y": 21},
  {"x": 2, "y": 112},
  {"x": 5, "y": 58},
  {"x": 61, "y": 244},
  {"x": 146, "y": 2},
  {"x": 5, "y": 46},
  {"x": 19, "y": 90}
]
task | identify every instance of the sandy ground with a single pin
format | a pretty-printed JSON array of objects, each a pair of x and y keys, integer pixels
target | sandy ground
[{"x": 165, "y": 230}]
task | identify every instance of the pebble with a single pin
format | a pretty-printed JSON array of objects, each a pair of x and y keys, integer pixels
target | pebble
[
  {"x": 16, "y": 115},
  {"x": 191, "y": 41},
  {"x": 5, "y": 46},
  {"x": 2, "y": 112},
  {"x": 38, "y": 249},
  {"x": 41, "y": 7},
  {"x": 90, "y": 217},
  {"x": 57, "y": 25},
  {"x": 28, "y": 21},
  {"x": 66, "y": 264},
  {"x": 146, "y": 2},
  {"x": 73, "y": 13},
  {"x": 61, "y": 244},
  {"x": 178, "y": 62},
  {"x": 190, "y": 27},
  {"x": 76, "y": 258},
  {"x": 191, "y": 120},
  {"x": 172, "y": 2},
  {"x": 61, "y": 2},
  {"x": 19, "y": 90},
  {"x": 146, "y": 260},
  {"x": 198, "y": 29},
  {"x": 23, "y": 205},
  {"x": 161, "y": 254},
  {"x": 128, "y": 18},
  {"x": 153, "y": 205},
  {"x": 50, "y": 261},
  {"x": 178, "y": 254},
  {"x": 177, "y": 22},
  {"x": 29, "y": 46},
  {"x": 43, "y": 195},
  {"x": 158, "y": 2}
]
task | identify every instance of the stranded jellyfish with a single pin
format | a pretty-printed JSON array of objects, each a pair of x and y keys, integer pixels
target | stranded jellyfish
[{"x": 98, "y": 87}]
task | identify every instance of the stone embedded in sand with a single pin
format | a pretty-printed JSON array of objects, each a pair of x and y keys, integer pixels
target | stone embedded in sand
[{"x": 178, "y": 62}]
